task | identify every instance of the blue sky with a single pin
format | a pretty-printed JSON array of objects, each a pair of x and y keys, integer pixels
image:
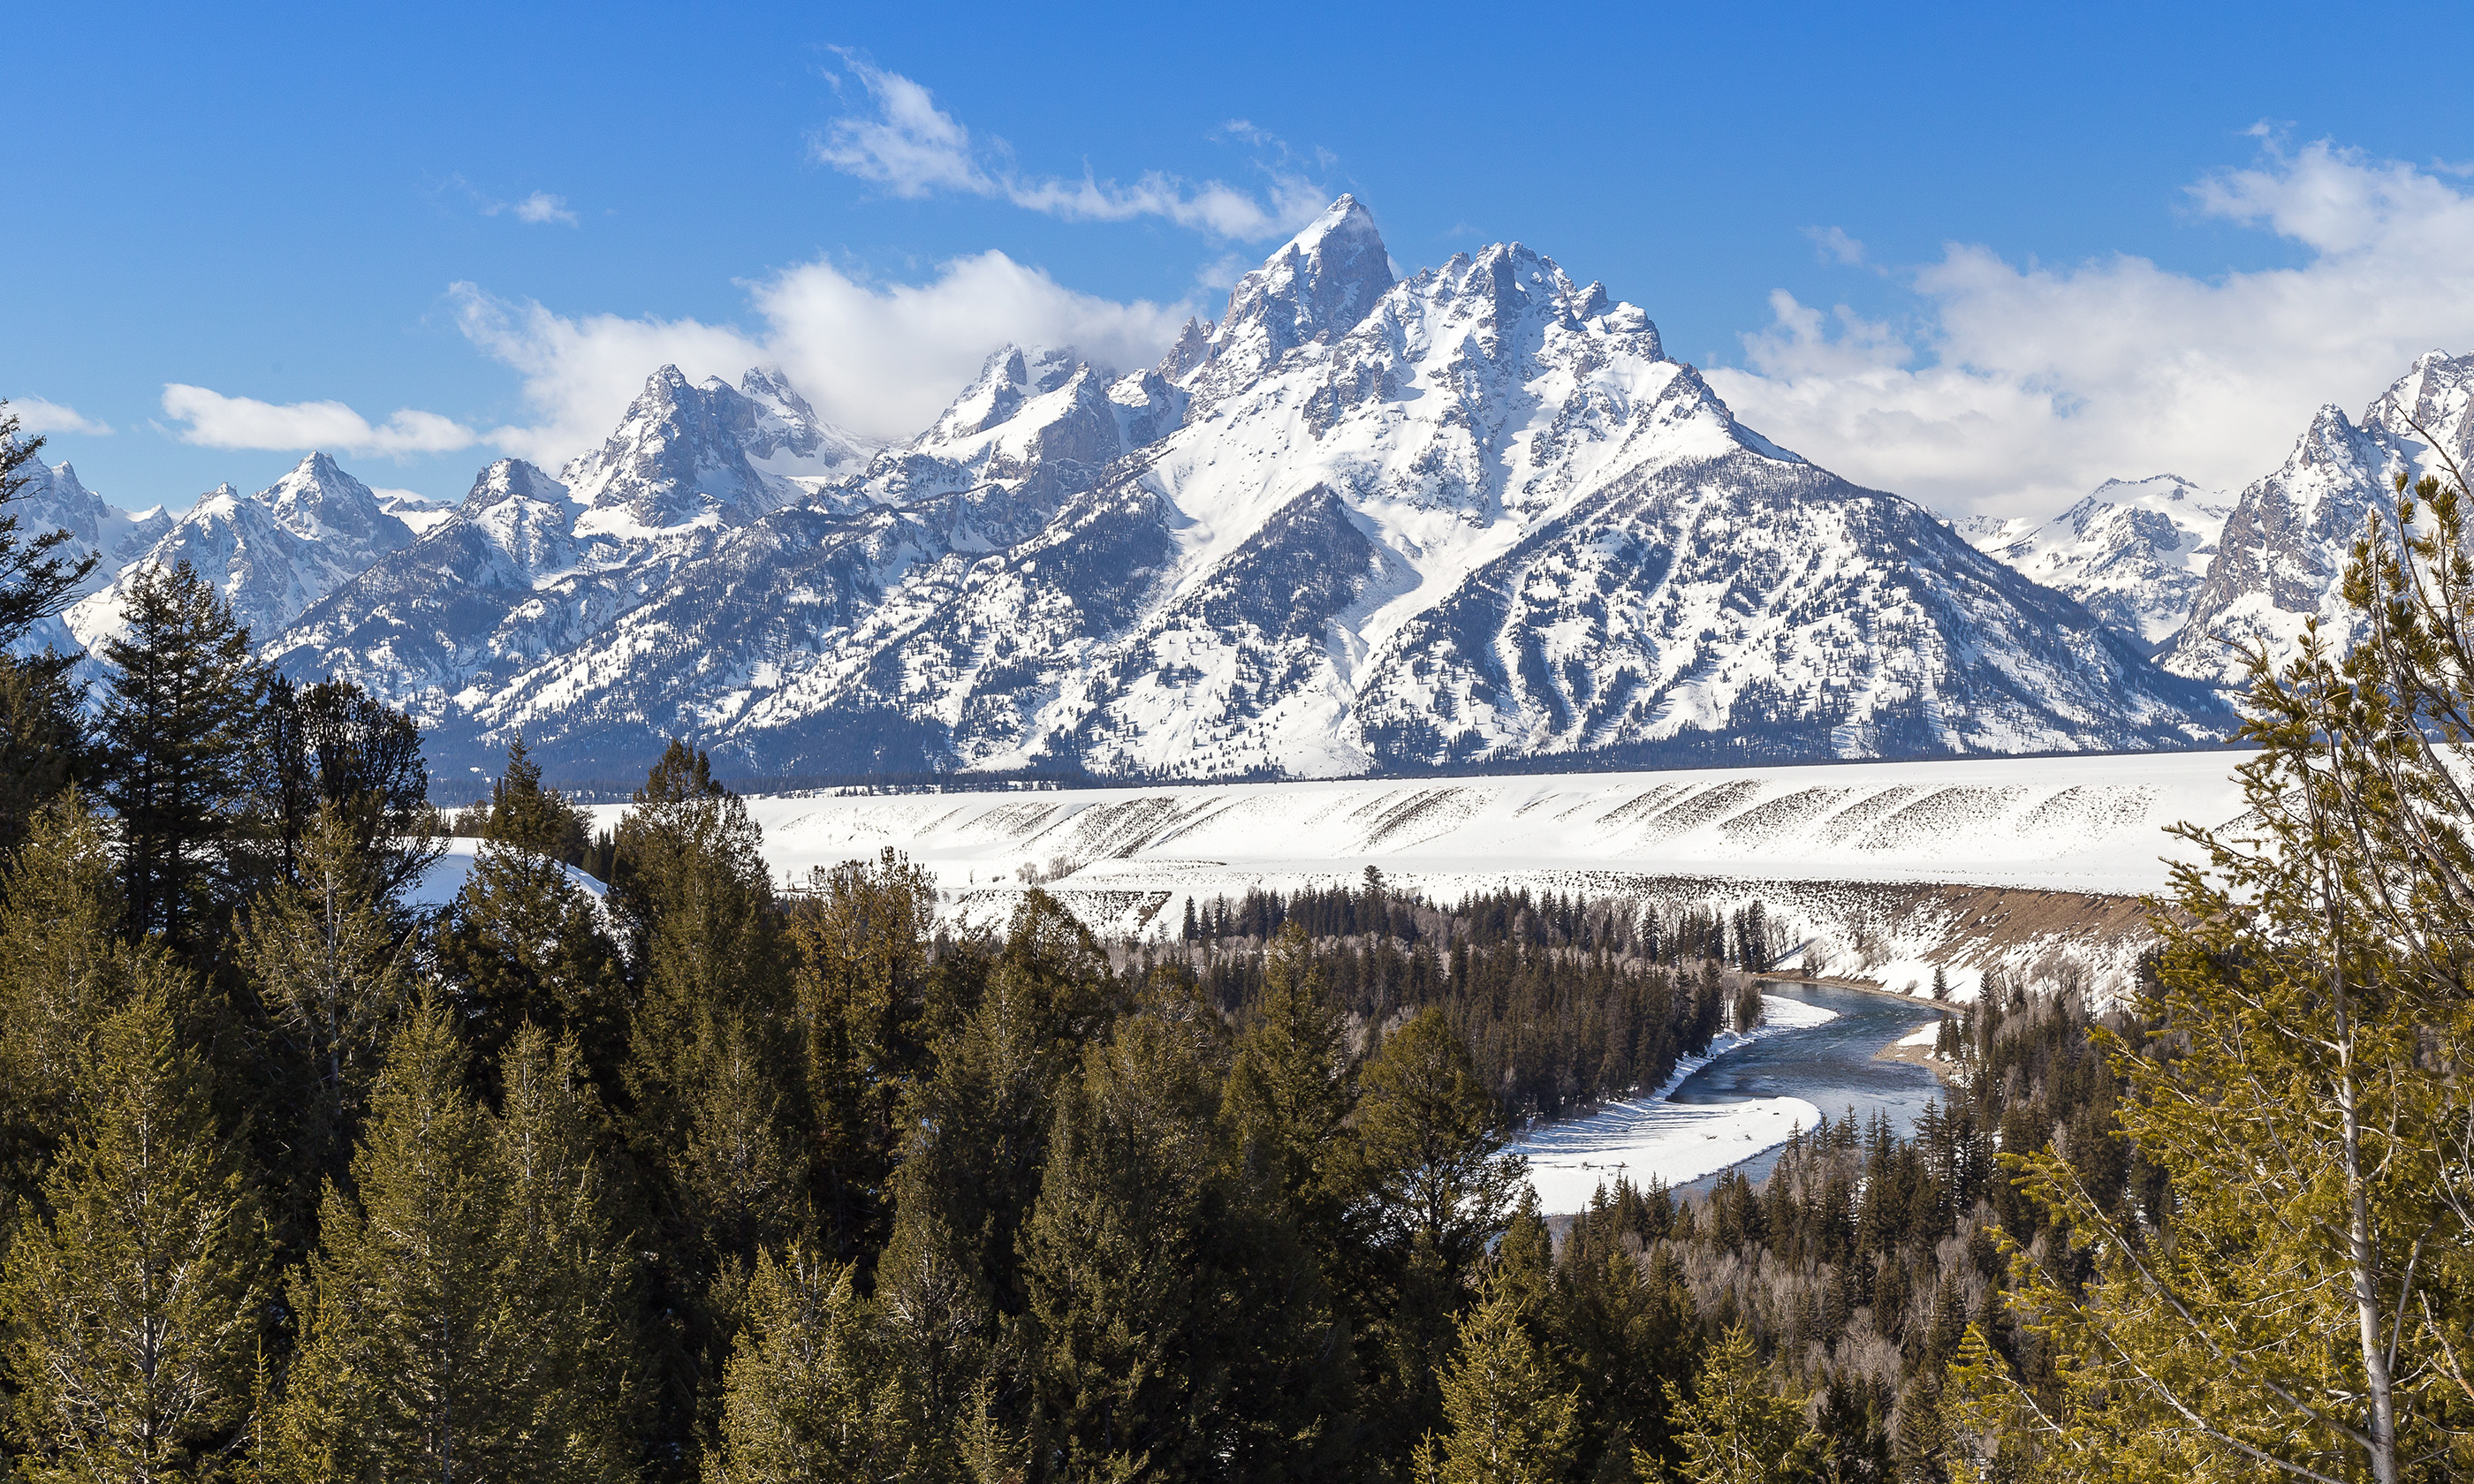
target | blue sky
[{"x": 1974, "y": 254}]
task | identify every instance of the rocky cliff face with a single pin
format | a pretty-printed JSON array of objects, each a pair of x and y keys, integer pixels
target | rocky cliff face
[{"x": 2282, "y": 552}]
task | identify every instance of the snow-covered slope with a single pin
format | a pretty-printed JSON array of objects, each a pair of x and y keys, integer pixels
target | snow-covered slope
[
  {"x": 1360, "y": 523},
  {"x": 270, "y": 554},
  {"x": 2134, "y": 553},
  {"x": 2282, "y": 556}
]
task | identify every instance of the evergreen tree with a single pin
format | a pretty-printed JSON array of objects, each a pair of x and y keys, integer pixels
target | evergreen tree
[
  {"x": 1734, "y": 1428},
  {"x": 333, "y": 746},
  {"x": 406, "y": 1367},
  {"x": 563, "y": 1272},
  {"x": 2302, "y": 1306},
  {"x": 694, "y": 907},
  {"x": 861, "y": 988},
  {"x": 810, "y": 1394},
  {"x": 63, "y": 971},
  {"x": 1510, "y": 1415},
  {"x": 175, "y": 737},
  {"x": 529, "y": 817},
  {"x": 128, "y": 1318},
  {"x": 1290, "y": 1088},
  {"x": 1436, "y": 1191},
  {"x": 43, "y": 744},
  {"x": 330, "y": 980},
  {"x": 1118, "y": 1258},
  {"x": 524, "y": 942}
]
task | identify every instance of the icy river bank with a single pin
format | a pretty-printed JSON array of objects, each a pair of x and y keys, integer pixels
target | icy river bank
[{"x": 1817, "y": 1052}]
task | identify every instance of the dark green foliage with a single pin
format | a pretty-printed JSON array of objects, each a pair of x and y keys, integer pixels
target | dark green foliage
[
  {"x": 529, "y": 817},
  {"x": 44, "y": 743},
  {"x": 525, "y": 942},
  {"x": 335, "y": 746},
  {"x": 175, "y": 736},
  {"x": 128, "y": 1312}
]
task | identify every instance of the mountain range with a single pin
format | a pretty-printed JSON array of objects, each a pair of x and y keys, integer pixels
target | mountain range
[{"x": 1470, "y": 517}]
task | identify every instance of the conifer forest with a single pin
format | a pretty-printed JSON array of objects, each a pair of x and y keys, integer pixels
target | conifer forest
[{"x": 711, "y": 1177}]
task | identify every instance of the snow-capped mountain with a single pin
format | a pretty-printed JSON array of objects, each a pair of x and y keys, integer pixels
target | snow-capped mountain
[
  {"x": 52, "y": 499},
  {"x": 1473, "y": 515},
  {"x": 2134, "y": 552},
  {"x": 270, "y": 554},
  {"x": 709, "y": 453},
  {"x": 2282, "y": 552}
]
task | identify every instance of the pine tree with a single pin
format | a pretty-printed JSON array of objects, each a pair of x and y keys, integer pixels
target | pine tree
[
  {"x": 1734, "y": 1428},
  {"x": 694, "y": 907},
  {"x": 861, "y": 989},
  {"x": 1133, "y": 1364},
  {"x": 128, "y": 1318},
  {"x": 63, "y": 971},
  {"x": 2300, "y": 1086},
  {"x": 43, "y": 745},
  {"x": 563, "y": 1272},
  {"x": 1289, "y": 1090},
  {"x": 330, "y": 981},
  {"x": 811, "y": 1392},
  {"x": 175, "y": 737},
  {"x": 524, "y": 942},
  {"x": 529, "y": 817},
  {"x": 1509, "y": 1418},
  {"x": 405, "y": 1367},
  {"x": 1437, "y": 1191},
  {"x": 335, "y": 746}
]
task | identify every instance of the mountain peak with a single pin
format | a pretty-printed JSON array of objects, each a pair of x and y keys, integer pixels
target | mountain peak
[{"x": 1315, "y": 288}]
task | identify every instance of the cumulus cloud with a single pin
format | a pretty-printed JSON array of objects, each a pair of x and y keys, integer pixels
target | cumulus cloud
[
  {"x": 914, "y": 148},
  {"x": 2022, "y": 387},
  {"x": 35, "y": 415},
  {"x": 214, "y": 420},
  {"x": 880, "y": 359}
]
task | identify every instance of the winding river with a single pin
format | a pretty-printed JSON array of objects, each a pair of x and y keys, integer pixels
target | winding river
[{"x": 1737, "y": 1111}]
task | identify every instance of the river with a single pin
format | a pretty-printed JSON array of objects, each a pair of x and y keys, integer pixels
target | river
[
  {"x": 1749, "y": 1099},
  {"x": 1834, "y": 1066}
]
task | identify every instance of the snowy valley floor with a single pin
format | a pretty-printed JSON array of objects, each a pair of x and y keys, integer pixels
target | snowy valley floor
[{"x": 1883, "y": 871}]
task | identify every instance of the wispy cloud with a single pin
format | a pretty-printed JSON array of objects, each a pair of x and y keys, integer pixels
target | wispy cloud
[
  {"x": 2018, "y": 388},
  {"x": 542, "y": 209},
  {"x": 879, "y": 358},
  {"x": 914, "y": 148},
  {"x": 214, "y": 420},
  {"x": 1835, "y": 245},
  {"x": 35, "y": 415}
]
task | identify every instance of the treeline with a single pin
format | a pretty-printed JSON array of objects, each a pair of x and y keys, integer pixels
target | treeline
[
  {"x": 1565, "y": 1002},
  {"x": 1676, "y": 935}
]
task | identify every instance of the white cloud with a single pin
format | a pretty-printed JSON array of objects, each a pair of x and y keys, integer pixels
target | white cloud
[
  {"x": 540, "y": 207},
  {"x": 1835, "y": 244},
  {"x": 219, "y": 422},
  {"x": 914, "y": 148},
  {"x": 35, "y": 415},
  {"x": 2023, "y": 386},
  {"x": 879, "y": 359}
]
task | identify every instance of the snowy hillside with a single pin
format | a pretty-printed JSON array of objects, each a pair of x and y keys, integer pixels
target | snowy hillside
[
  {"x": 1886, "y": 871},
  {"x": 1360, "y": 523},
  {"x": 2134, "y": 553}
]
